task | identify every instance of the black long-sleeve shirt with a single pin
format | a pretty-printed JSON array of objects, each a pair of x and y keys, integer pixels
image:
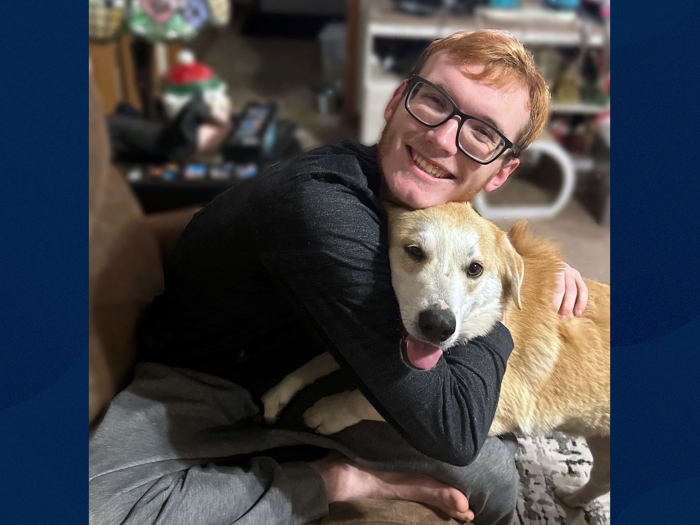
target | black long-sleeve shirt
[{"x": 295, "y": 262}]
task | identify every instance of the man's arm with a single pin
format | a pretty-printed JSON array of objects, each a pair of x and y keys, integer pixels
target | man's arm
[{"x": 330, "y": 255}]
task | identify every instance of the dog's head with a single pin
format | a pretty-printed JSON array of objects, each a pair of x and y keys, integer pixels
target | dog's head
[{"x": 452, "y": 271}]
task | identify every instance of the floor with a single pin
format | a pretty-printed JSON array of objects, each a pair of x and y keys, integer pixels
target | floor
[{"x": 286, "y": 70}]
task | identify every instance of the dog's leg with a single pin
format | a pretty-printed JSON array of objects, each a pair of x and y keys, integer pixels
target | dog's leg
[
  {"x": 334, "y": 413},
  {"x": 599, "y": 480},
  {"x": 275, "y": 399}
]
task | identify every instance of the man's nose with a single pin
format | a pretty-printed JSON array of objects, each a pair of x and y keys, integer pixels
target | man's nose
[{"x": 445, "y": 136}]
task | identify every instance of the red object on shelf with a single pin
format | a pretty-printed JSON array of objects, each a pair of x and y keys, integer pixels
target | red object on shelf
[{"x": 187, "y": 73}]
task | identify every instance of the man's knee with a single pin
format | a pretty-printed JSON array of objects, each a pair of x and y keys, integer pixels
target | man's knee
[{"x": 494, "y": 494}]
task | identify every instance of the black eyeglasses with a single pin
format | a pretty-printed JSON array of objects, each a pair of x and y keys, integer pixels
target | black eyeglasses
[{"x": 477, "y": 139}]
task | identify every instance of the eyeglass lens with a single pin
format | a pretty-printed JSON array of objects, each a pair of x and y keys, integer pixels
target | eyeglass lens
[{"x": 431, "y": 107}]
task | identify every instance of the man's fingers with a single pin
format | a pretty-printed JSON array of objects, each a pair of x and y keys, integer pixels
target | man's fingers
[
  {"x": 582, "y": 297},
  {"x": 559, "y": 289},
  {"x": 570, "y": 293}
]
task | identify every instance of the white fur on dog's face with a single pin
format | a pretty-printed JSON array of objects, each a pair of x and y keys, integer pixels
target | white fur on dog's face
[{"x": 451, "y": 238}]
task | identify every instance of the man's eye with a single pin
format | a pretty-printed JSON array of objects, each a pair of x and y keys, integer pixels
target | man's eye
[
  {"x": 434, "y": 101},
  {"x": 485, "y": 134},
  {"x": 414, "y": 252}
]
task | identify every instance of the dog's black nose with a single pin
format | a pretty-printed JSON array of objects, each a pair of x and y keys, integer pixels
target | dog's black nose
[{"x": 437, "y": 324}]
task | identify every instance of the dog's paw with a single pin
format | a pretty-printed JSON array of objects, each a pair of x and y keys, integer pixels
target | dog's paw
[
  {"x": 275, "y": 399},
  {"x": 571, "y": 497},
  {"x": 330, "y": 415}
]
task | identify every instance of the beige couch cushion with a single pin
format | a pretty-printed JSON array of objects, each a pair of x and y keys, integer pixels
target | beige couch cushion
[{"x": 125, "y": 267}]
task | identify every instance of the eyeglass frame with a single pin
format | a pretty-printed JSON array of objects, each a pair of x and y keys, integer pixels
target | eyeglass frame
[{"x": 508, "y": 144}]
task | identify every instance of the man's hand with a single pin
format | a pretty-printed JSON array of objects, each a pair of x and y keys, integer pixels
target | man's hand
[{"x": 570, "y": 293}]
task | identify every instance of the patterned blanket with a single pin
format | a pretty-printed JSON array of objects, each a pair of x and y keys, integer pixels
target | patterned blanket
[{"x": 548, "y": 462}]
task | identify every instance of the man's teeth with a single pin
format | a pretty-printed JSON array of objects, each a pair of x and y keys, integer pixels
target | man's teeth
[{"x": 429, "y": 168}]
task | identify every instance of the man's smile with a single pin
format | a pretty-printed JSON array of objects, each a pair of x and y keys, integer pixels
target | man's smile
[{"x": 427, "y": 167}]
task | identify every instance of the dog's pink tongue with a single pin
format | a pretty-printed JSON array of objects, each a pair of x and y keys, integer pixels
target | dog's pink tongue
[{"x": 421, "y": 354}]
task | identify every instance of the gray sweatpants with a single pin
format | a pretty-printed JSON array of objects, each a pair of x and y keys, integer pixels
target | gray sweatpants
[{"x": 166, "y": 452}]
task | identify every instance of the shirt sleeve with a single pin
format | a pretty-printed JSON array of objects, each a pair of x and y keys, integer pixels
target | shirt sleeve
[{"x": 329, "y": 253}]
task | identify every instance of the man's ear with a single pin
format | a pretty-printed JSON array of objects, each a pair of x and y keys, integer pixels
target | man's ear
[
  {"x": 514, "y": 268},
  {"x": 502, "y": 175},
  {"x": 395, "y": 100}
]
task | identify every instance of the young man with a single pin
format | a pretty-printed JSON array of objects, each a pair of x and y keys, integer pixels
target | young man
[{"x": 294, "y": 263}]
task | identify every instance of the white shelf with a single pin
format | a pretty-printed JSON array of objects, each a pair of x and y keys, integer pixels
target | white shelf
[
  {"x": 384, "y": 21},
  {"x": 528, "y": 14},
  {"x": 414, "y": 32},
  {"x": 578, "y": 108}
]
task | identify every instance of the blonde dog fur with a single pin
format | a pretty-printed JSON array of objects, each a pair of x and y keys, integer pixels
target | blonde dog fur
[{"x": 558, "y": 375}]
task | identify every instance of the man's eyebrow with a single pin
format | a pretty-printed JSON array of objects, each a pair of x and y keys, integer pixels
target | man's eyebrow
[{"x": 485, "y": 118}]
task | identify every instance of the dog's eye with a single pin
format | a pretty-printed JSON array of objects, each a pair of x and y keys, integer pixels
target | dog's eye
[
  {"x": 415, "y": 252},
  {"x": 474, "y": 270}
]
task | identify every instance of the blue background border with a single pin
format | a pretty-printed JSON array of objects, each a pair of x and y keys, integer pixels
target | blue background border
[
  {"x": 44, "y": 262},
  {"x": 655, "y": 270}
]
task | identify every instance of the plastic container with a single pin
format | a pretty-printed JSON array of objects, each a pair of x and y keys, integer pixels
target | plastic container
[{"x": 327, "y": 99}]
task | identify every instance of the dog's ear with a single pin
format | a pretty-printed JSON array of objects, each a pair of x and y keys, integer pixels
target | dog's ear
[{"x": 514, "y": 268}]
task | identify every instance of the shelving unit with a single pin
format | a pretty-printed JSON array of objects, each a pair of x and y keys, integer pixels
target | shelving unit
[
  {"x": 375, "y": 86},
  {"x": 380, "y": 20},
  {"x": 577, "y": 109}
]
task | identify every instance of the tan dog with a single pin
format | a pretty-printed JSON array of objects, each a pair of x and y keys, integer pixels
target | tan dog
[{"x": 455, "y": 275}]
